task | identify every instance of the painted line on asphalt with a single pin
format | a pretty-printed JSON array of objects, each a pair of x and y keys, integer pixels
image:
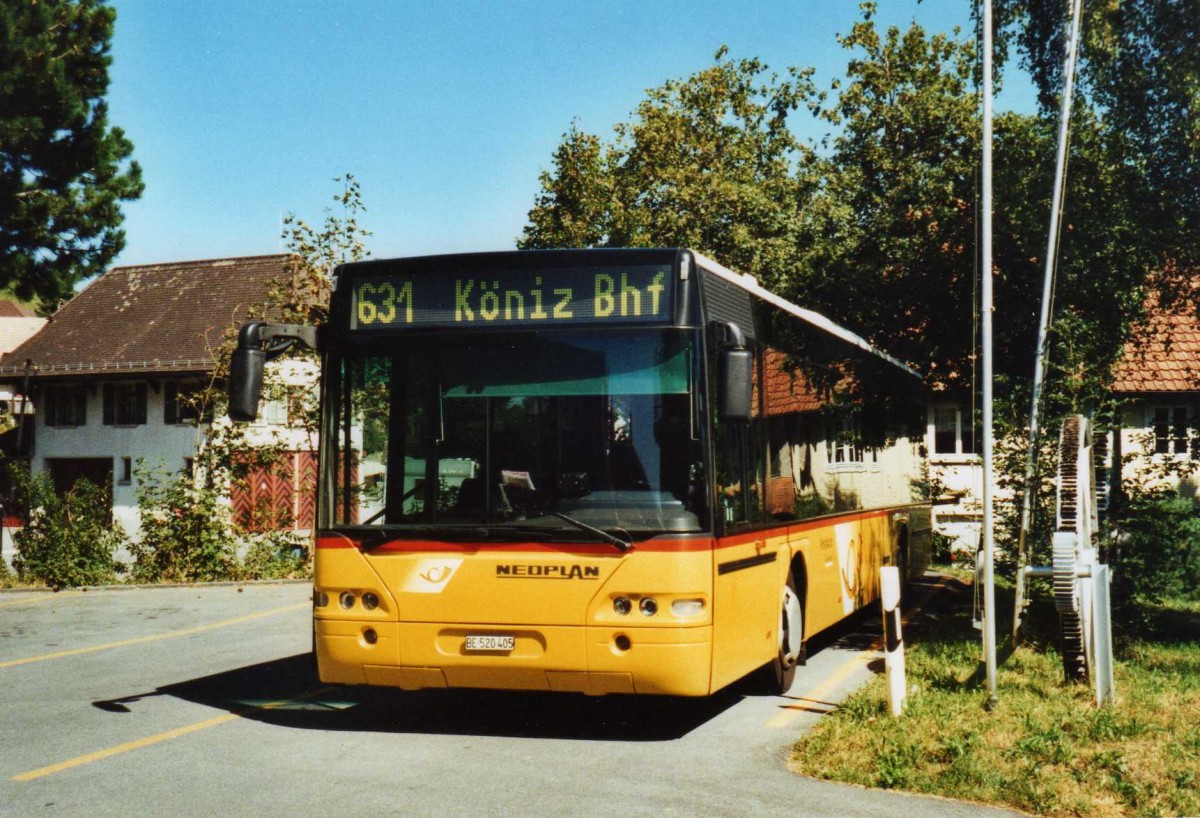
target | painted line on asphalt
[
  {"x": 818, "y": 694},
  {"x": 141, "y": 640},
  {"x": 130, "y": 746},
  {"x": 42, "y": 597}
]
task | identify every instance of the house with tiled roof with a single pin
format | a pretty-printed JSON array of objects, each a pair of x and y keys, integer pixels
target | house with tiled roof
[
  {"x": 17, "y": 324},
  {"x": 1159, "y": 378},
  {"x": 110, "y": 371}
]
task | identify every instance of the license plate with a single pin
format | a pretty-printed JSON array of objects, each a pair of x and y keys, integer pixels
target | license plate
[{"x": 490, "y": 643}]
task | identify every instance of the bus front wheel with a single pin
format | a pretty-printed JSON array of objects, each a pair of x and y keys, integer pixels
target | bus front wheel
[{"x": 789, "y": 653}]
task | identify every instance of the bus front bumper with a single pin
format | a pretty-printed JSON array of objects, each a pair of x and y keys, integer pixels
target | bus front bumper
[{"x": 592, "y": 660}]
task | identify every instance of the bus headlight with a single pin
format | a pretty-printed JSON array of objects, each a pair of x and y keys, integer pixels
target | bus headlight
[
  {"x": 622, "y": 605},
  {"x": 346, "y": 600},
  {"x": 687, "y": 607},
  {"x": 370, "y": 601},
  {"x": 648, "y": 606}
]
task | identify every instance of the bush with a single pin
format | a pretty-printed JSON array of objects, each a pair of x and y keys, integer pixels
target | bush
[
  {"x": 276, "y": 555},
  {"x": 187, "y": 533},
  {"x": 67, "y": 541},
  {"x": 7, "y": 578},
  {"x": 1157, "y": 552}
]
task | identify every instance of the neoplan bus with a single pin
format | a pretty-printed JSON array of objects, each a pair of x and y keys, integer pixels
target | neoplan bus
[{"x": 597, "y": 471}]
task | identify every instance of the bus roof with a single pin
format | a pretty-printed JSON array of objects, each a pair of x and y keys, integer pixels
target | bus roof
[
  {"x": 815, "y": 319},
  {"x": 653, "y": 255}
]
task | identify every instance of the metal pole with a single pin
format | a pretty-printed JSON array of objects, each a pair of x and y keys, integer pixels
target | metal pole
[
  {"x": 1102, "y": 636},
  {"x": 989, "y": 590},
  {"x": 1039, "y": 363}
]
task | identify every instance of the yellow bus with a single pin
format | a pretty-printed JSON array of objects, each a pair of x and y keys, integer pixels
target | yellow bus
[{"x": 594, "y": 471}]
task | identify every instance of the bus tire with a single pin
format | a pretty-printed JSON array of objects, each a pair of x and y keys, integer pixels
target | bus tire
[{"x": 789, "y": 653}]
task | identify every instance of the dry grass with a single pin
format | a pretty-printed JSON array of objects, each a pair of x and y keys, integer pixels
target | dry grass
[{"x": 1045, "y": 748}]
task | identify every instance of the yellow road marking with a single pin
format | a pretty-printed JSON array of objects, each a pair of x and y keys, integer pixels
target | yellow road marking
[
  {"x": 42, "y": 597},
  {"x": 790, "y": 713},
  {"x": 129, "y": 746},
  {"x": 830, "y": 683},
  {"x": 141, "y": 640}
]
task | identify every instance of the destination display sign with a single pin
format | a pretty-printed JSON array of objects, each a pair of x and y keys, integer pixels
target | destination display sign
[{"x": 591, "y": 295}]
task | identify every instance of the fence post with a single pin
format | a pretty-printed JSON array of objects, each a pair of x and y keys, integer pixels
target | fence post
[{"x": 893, "y": 641}]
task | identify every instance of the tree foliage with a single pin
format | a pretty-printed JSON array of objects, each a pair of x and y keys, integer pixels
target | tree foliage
[
  {"x": 889, "y": 241},
  {"x": 706, "y": 162},
  {"x": 64, "y": 170},
  {"x": 1139, "y": 73},
  {"x": 303, "y": 297},
  {"x": 876, "y": 226}
]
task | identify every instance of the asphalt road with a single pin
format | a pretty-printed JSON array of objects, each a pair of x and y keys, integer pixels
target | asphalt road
[{"x": 201, "y": 701}]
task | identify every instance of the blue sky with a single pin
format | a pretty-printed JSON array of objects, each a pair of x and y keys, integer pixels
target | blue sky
[{"x": 446, "y": 112}]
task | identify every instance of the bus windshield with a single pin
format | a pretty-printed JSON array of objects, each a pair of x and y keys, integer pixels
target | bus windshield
[{"x": 506, "y": 433}]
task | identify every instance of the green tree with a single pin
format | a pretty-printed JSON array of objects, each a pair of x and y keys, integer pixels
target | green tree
[
  {"x": 889, "y": 241},
  {"x": 1140, "y": 72},
  {"x": 876, "y": 226},
  {"x": 303, "y": 297},
  {"x": 897, "y": 222},
  {"x": 191, "y": 534},
  {"x": 574, "y": 206},
  {"x": 63, "y": 169},
  {"x": 707, "y": 162}
]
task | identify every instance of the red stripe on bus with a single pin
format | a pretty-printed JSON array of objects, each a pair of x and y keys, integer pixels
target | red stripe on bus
[
  {"x": 334, "y": 541},
  {"x": 590, "y": 549}
]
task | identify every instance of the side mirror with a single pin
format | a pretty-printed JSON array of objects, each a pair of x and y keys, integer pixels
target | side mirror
[
  {"x": 735, "y": 377},
  {"x": 258, "y": 343},
  {"x": 246, "y": 373}
]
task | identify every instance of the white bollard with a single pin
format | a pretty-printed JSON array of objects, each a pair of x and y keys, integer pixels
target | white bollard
[
  {"x": 893, "y": 641},
  {"x": 1102, "y": 665}
]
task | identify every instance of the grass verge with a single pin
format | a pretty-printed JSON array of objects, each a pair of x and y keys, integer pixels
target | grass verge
[{"x": 1045, "y": 748}]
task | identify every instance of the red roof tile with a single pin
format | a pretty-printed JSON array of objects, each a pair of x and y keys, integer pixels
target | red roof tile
[
  {"x": 11, "y": 309},
  {"x": 1163, "y": 355}
]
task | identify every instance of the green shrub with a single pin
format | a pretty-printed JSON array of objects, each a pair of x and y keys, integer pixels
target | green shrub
[
  {"x": 276, "y": 555},
  {"x": 67, "y": 541},
  {"x": 7, "y": 578},
  {"x": 1157, "y": 553},
  {"x": 187, "y": 533}
]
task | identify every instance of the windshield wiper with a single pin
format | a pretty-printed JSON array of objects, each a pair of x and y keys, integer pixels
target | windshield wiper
[
  {"x": 376, "y": 537},
  {"x": 621, "y": 545}
]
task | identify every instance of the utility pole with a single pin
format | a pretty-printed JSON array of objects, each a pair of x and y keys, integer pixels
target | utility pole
[{"x": 989, "y": 585}]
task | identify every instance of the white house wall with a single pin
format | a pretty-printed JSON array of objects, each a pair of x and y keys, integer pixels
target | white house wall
[
  {"x": 1178, "y": 472},
  {"x": 160, "y": 446}
]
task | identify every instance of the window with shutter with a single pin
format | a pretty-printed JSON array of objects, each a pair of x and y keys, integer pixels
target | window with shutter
[
  {"x": 64, "y": 405},
  {"x": 125, "y": 404}
]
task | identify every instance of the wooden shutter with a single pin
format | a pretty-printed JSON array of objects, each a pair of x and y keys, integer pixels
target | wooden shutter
[
  {"x": 140, "y": 412},
  {"x": 170, "y": 403},
  {"x": 110, "y": 400},
  {"x": 49, "y": 408}
]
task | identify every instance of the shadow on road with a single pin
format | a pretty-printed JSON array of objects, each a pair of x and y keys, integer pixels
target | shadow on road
[{"x": 287, "y": 693}]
